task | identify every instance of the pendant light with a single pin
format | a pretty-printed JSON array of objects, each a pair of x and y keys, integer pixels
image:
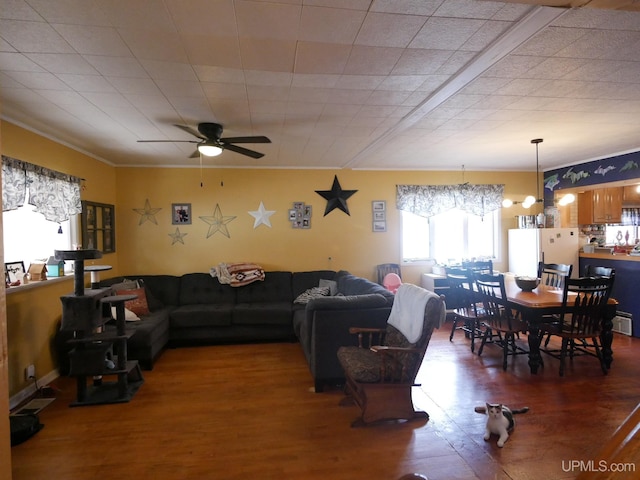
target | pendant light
[{"x": 529, "y": 199}]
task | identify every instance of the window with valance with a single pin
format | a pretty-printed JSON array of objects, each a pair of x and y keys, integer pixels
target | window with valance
[
  {"x": 53, "y": 194},
  {"x": 429, "y": 200}
]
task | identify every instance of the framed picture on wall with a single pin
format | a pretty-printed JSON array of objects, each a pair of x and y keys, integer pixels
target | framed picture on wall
[
  {"x": 181, "y": 214},
  {"x": 14, "y": 271},
  {"x": 379, "y": 226},
  {"x": 378, "y": 205}
]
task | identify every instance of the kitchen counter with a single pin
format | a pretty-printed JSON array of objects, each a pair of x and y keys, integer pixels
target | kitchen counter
[{"x": 611, "y": 256}]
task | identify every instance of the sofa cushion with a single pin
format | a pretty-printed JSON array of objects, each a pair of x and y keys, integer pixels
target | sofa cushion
[
  {"x": 162, "y": 290},
  {"x": 204, "y": 315},
  {"x": 203, "y": 289},
  {"x": 276, "y": 287},
  {"x": 138, "y": 305},
  {"x": 267, "y": 313},
  {"x": 313, "y": 292},
  {"x": 302, "y": 281}
]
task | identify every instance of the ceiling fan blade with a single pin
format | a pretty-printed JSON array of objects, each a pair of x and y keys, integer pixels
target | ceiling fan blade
[
  {"x": 242, "y": 150},
  {"x": 190, "y": 131},
  {"x": 255, "y": 139},
  {"x": 168, "y": 141},
  {"x": 195, "y": 154}
]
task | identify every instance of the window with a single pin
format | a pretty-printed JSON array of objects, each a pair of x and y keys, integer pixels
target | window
[
  {"x": 28, "y": 236},
  {"x": 450, "y": 237}
]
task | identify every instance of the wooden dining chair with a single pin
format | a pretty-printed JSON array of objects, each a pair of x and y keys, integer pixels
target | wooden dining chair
[
  {"x": 463, "y": 305},
  {"x": 597, "y": 271},
  {"x": 583, "y": 305},
  {"x": 553, "y": 274},
  {"x": 478, "y": 266},
  {"x": 499, "y": 322}
]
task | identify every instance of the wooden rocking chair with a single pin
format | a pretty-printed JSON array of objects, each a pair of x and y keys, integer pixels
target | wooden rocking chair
[{"x": 381, "y": 370}]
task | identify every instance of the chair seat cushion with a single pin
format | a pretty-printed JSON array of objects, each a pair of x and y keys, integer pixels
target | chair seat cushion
[{"x": 360, "y": 364}]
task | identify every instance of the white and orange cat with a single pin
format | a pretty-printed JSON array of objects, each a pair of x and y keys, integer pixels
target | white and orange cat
[{"x": 499, "y": 421}]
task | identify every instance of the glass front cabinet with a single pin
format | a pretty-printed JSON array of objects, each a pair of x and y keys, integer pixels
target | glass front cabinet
[{"x": 98, "y": 227}]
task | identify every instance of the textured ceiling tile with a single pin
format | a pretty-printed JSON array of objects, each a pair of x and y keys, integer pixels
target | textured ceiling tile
[
  {"x": 273, "y": 79},
  {"x": 154, "y": 44},
  {"x": 467, "y": 9},
  {"x": 321, "y": 58},
  {"x": 446, "y": 33},
  {"x": 372, "y": 60},
  {"x": 180, "y": 88},
  {"x": 268, "y": 55},
  {"x": 94, "y": 40},
  {"x": 407, "y": 83},
  {"x": 117, "y": 66},
  {"x": 421, "y": 61},
  {"x": 18, "y": 62},
  {"x": 360, "y": 82},
  {"x": 485, "y": 35},
  {"x": 345, "y": 4},
  {"x": 70, "y": 11},
  {"x": 212, "y": 50},
  {"x": 389, "y": 30},
  {"x": 207, "y": 73},
  {"x": 151, "y": 14},
  {"x": 550, "y": 41},
  {"x": 267, "y": 20},
  {"x": 330, "y": 25},
  {"x": 264, "y": 92},
  {"x": 406, "y": 7},
  {"x": 225, "y": 91},
  {"x": 129, "y": 85},
  {"x": 86, "y": 83},
  {"x": 314, "y": 80},
  {"x": 38, "y": 80},
  {"x": 160, "y": 70},
  {"x": 18, "y": 10},
  {"x": 204, "y": 17},
  {"x": 33, "y": 37}
]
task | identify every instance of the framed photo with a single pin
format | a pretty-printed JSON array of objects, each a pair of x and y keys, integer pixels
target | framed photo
[
  {"x": 379, "y": 216},
  {"x": 378, "y": 205},
  {"x": 181, "y": 214},
  {"x": 379, "y": 226},
  {"x": 300, "y": 215},
  {"x": 14, "y": 271}
]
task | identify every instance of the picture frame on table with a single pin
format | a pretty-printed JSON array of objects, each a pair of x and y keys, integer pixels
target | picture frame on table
[
  {"x": 14, "y": 271},
  {"x": 181, "y": 214}
]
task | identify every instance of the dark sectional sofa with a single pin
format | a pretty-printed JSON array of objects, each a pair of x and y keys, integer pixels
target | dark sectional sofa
[{"x": 195, "y": 309}]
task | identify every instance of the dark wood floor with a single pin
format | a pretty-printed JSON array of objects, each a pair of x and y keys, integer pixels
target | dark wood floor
[{"x": 248, "y": 411}]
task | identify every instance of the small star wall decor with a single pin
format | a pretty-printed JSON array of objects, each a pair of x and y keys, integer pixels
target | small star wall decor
[
  {"x": 261, "y": 216},
  {"x": 218, "y": 222},
  {"x": 147, "y": 213},
  {"x": 336, "y": 197},
  {"x": 177, "y": 236}
]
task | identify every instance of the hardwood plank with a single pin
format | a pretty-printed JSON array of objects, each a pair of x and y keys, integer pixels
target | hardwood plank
[{"x": 249, "y": 411}]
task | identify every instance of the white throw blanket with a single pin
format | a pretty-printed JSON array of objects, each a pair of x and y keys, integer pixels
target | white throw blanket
[{"x": 407, "y": 313}]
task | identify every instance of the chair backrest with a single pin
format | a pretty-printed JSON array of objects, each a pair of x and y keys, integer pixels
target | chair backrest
[
  {"x": 596, "y": 271},
  {"x": 460, "y": 292},
  {"x": 583, "y": 302},
  {"x": 384, "y": 269},
  {"x": 554, "y": 274},
  {"x": 479, "y": 266},
  {"x": 492, "y": 292},
  {"x": 391, "y": 282}
]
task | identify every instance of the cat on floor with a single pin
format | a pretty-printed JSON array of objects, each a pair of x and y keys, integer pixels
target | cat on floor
[{"x": 499, "y": 420}]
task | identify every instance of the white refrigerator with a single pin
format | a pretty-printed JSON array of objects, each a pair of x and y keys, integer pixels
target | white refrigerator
[{"x": 528, "y": 246}]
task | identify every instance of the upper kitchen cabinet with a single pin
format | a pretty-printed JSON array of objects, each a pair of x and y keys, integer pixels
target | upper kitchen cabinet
[
  {"x": 631, "y": 196},
  {"x": 602, "y": 205}
]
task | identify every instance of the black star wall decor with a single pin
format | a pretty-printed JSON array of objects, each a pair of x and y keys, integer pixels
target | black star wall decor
[{"x": 336, "y": 197}]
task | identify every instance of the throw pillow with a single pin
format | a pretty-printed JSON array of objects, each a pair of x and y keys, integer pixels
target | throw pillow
[
  {"x": 137, "y": 305},
  {"x": 313, "y": 292},
  {"x": 129, "y": 316},
  {"x": 332, "y": 284},
  {"x": 125, "y": 284}
]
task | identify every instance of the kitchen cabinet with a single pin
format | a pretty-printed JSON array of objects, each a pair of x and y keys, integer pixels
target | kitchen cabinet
[
  {"x": 631, "y": 196},
  {"x": 602, "y": 205}
]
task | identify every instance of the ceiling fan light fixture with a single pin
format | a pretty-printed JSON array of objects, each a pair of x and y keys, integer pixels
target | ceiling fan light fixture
[
  {"x": 507, "y": 202},
  {"x": 209, "y": 149}
]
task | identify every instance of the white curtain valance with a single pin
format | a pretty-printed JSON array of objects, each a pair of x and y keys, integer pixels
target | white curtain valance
[
  {"x": 430, "y": 200},
  {"x": 54, "y": 194}
]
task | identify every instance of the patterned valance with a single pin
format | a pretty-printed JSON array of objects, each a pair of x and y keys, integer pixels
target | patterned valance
[
  {"x": 430, "y": 200},
  {"x": 54, "y": 194}
]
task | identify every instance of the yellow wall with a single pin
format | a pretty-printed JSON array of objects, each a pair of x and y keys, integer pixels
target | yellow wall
[
  {"x": 337, "y": 241},
  {"x": 33, "y": 314}
]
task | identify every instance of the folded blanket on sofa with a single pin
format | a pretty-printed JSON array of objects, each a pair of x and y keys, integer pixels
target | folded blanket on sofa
[{"x": 238, "y": 274}]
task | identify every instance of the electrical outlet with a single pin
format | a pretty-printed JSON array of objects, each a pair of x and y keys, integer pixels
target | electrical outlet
[{"x": 30, "y": 372}]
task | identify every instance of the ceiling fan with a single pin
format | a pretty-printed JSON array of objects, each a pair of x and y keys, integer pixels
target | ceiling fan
[{"x": 210, "y": 143}]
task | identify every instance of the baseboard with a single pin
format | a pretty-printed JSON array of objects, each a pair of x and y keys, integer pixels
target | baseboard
[{"x": 28, "y": 392}]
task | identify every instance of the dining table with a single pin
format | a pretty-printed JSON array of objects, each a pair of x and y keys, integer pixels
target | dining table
[{"x": 543, "y": 301}]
